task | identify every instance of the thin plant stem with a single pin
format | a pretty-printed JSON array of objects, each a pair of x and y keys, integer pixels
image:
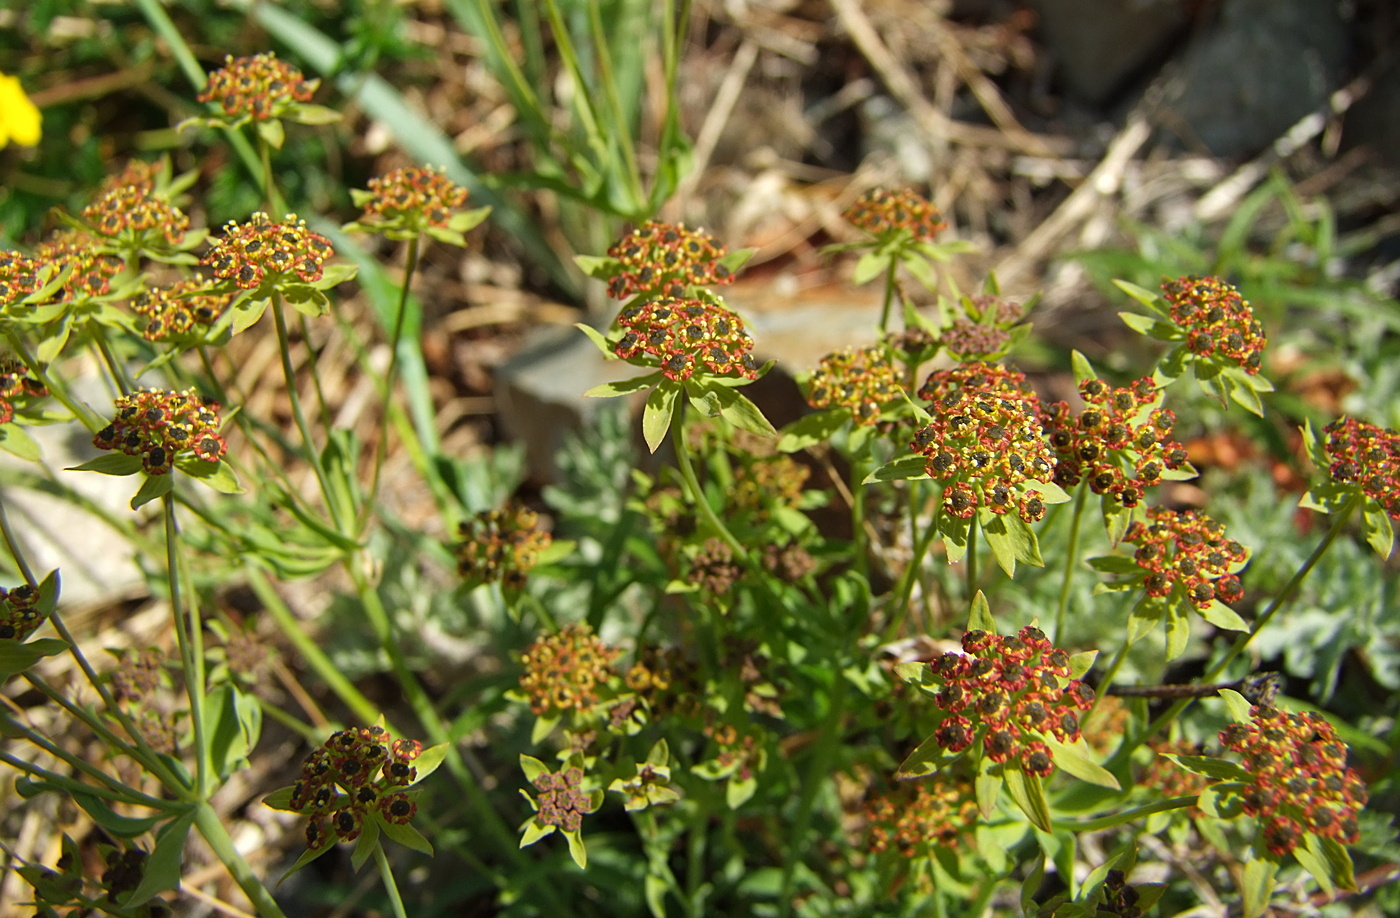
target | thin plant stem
[
  {"x": 386, "y": 873},
  {"x": 298, "y": 414},
  {"x": 890, "y": 287},
  {"x": 12, "y": 543},
  {"x": 72, "y": 785},
  {"x": 217, "y": 837},
  {"x": 692, "y": 484},
  {"x": 313, "y": 362},
  {"x": 1071, "y": 557},
  {"x": 904, "y": 589},
  {"x": 89, "y": 418},
  {"x": 381, "y": 447},
  {"x": 1109, "y": 675},
  {"x": 1282, "y": 598},
  {"x": 277, "y": 208},
  {"x": 970, "y": 565},
  {"x": 109, "y": 357},
  {"x": 189, "y": 636}
]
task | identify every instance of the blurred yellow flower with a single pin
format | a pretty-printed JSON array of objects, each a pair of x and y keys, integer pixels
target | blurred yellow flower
[{"x": 19, "y": 119}]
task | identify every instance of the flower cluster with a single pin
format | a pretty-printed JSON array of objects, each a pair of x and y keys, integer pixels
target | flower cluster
[
  {"x": 263, "y": 249},
  {"x": 16, "y": 384},
  {"x": 713, "y": 568},
  {"x": 968, "y": 340},
  {"x": 137, "y": 173},
  {"x": 861, "y": 380},
  {"x": 1301, "y": 782},
  {"x": 1217, "y": 321},
  {"x": 562, "y": 801},
  {"x": 258, "y": 87},
  {"x": 564, "y": 670},
  {"x": 1366, "y": 456},
  {"x": 19, "y": 277},
  {"x": 357, "y": 772},
  {"x": 91, "y": 270},
  {"x": 158, "y": 426},
  {"x": 686, "y": 336},
  {"x": 180, "y": 309},
  {"x": 1187, "y": 551},
  {"x": 1168, "y": 778},
  {"x": 501, "y": 545},
  {"x": 19, "y": 612},
  {"x": 1120, "y": 442},
  {"x": 984, "y": 441},
  {"x": 1008, "y": 693},
  {"x": 665, "y": 259},
  {"x": 936, "y": 811},
  {"x": 415, "y": 197},
  {"x": 133, "y": 216},
  {"x": 881, "y": 212}
]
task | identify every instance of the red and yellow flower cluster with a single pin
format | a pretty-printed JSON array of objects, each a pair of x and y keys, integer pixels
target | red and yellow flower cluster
[
  {"x": 1187, "y": 550},
  {"x": 686, "y": 336},
  {"x": 19, "y": 277},
  {"x": 184, "y": 307},
  {"x": 882, "y": 212},
  {"x": 134, "y": 215},
  {"x": 91, "y": 269},
  {"x": 937, "y": 810},
  {"x": 984, "y": 441},
  {"x": 664, "y": 259},
  {"x": 257, "y": 87},
  {"x": 1301, "y": 782},
  {"x": 356, "y": 772},
  {"x": 1368, "y": 457},
  {"x": 1217, "y": 321},
  {"x": 1008, "y": 693},
  {"x": 251, "y": 252},
  {"x": 16, "y": 383},
  {"x": 158, "y": 426},
  {"x": 564, "y": 670},
  {"x": 19, "y": 613},
  {"x": 501, "y": 545},
  {"x": 1119, "y": 442},
  {"x": 861, "y": 380},
  {"x": 417, "y": 196}
]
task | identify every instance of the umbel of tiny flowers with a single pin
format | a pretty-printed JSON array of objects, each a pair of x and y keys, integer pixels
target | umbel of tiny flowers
[
  {"x": 900, "y": 229},
  {"x": 568, "y": 673},
  {"x": 1362, "y": 463},
  {"x": 23, "y": 609},
  {"x": 664, "y": 260},
  {"x": 266, "y": 257},
  {"x": 501, "y": 546},
  {"x": 939, "y": 810},
  {"x": 356, "y": 787},
  {"x": 1183, "y": 562},
  {"x": 693, "y": 345},
  {"x": 20, "y": 397},
  {"x": 982, "y": 442},
  {"x": 20, "y": 121},
  {"x": 184, "y": 312},
  {"x": 561, "y": 799},
  {"x": 264, "y": 90},
  {"x": 136, "y": 221},
  {"x": 1212, "y": 330},
  {"x": 1293, "y": 779},
  {"x": 414, "y": 201},
  {"x": 1014, "y": 705},
  {"x": 1119, "y": 444},
  {"x": 156, "y": 432},
  {"x": 862, "y": 382},
  {"x": 649, "y": 783}
]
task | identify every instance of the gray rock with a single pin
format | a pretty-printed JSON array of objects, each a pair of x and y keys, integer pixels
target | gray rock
[
  {"x": 1098, "y": 45},
  {"x": 1374, "y": 122},
  {"x": 1266, "y": 64}
]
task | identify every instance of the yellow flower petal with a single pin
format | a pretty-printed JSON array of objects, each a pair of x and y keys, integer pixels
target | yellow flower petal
[{"x": 19, "y": 119}]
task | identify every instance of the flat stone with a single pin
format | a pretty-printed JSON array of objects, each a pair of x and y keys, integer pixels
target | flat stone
[{"x": 1099, "y": 45}]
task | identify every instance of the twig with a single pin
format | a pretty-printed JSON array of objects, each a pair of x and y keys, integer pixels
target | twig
[{"x": 719, "y": 113}]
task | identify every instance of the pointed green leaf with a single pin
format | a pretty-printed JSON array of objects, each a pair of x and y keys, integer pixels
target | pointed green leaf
[
  {"x": 281, "y": 799},
  {"x": 532, "y": 767},
  {"x": 366, "y": 844},
  {"x": 1380, "y": 533},
  {"x": 16, "y": 441},
  {"x": 624, "y": 387},
  {"x": 980, "y": 615},
  {"x": 1257, "y": 886},
  {"x": 152, "y": 488},
  {"x": 812, "y": 429},
  {"x": 1237, "y": 705},
  {"x": 987, "y": 788},
  {"x": 1216, "y": 769},
  {"x": 16, "y": 658},
  {"x": 1083, "y": 369},
  {"x": 577, "y": 851},
  {"x": 272, "y": 133},
  {"x": 902, "y": 469},
  {"x": 871, "y": 265},
  {"x": 534, "y": 831},
  {"x": 1072, "y": 758},
  {"x": 428, "y": 761},
  {"x": 110, "y": 464},
  {"x": 1029, "y": 795},
  {"x": 660, "y": 409},
  {"x": 162, "y": 869},
  {"x": 927, "y": 758},
  {"x": 1222, "y": 616},
  {"x": 405, "y": 835},
  {"x": 1080, "y": 663},
  {"x": 599, "y": 266}
]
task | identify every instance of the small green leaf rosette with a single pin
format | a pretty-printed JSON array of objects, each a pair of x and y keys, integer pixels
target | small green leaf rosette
[
  {"x": 648, "y": 783},
  {"x": 22, "y": 610},
  {"x": 1217, "y": 375},
  {"x": 1370, "y": 468},
  {"x": 695, "y": 348}
]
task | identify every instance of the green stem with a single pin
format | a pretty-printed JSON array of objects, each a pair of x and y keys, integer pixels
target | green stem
[
  {"x": 109, "y": 357},
  {"x": 970, "y": 565},
  {"x": 217, "y": 837},
  {"x": 189, "y": 634},
  {"x": 72, "y": 785},
  {"x": 622, "y": 131},
  {"x": 284, "y": 347},
  {"x": 1071, "y": 557},
  {"x": 86, "y": 416},
  {"x": 1282, "y": 598},
  {"x": 386, "y": 873},
  {"x": 313, "y": 363},
  {"x": 1109, "y": 675},
  {"x": 904, "y": 589},
  {"x": 12, "y": 543},
  {"x": 890, "y": 287},
  {"x": 692, "y": 484},
  {"x": 1126, "y": 816},
  {"x": 381, "y": 447},
  {"x": 277, "y": 208},
  {"x": 115, "y": 790}
]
